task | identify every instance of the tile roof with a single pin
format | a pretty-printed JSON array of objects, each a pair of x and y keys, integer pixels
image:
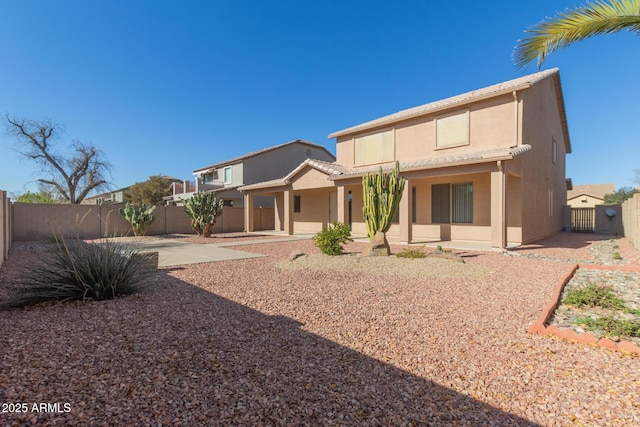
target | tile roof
[
  {"x": 261, "y": 151},
  {"x": 444, "y": 161},
  {"x": 325, "y": 167},
  {"x": 337, "y": 172},
  {"x": 465, "y": 98}
]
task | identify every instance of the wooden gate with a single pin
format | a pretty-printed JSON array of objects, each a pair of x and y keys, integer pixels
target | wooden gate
[{"x": 583, "y": 220}]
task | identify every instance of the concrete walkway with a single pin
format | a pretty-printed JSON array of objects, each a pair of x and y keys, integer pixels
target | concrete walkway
[{"x": 172, "y": 252}]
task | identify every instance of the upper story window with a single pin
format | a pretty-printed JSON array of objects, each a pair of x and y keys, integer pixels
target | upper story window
[
  {"x": 227, "y": 175},
  {"x": 376, "y": 148},
  {"x": 453, "y": 130},
  {"x": 208, "y": 178},
  {"x": 554, "y": 150}
]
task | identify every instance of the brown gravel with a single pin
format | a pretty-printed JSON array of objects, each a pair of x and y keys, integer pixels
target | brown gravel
[{"x": 248, "y": 343}]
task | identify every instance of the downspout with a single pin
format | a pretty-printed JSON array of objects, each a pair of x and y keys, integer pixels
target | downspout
[{"x": 516, "y": 121}]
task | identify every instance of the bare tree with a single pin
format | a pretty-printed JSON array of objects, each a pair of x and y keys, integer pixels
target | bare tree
[{"x": 72, "y": 176}]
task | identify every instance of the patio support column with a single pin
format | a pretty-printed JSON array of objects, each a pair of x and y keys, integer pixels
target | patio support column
[
  {"x": 405, "y": 213},
  {"x": 279, "y": 211},
  {"x": 499, "y": 207},
  {"x": 288, "y": 212},
  {"x": 248, "y": 213},
  {"x": 343, "y": 204}
]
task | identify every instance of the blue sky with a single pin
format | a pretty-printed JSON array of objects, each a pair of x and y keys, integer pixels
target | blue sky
[{"x": 171, "y": 86}]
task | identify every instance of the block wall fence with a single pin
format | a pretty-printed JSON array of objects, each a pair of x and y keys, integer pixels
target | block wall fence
[
  {"x": 33, "y": 221},
  {"x": 5, "y": 226},
  {"x": 631, "y": 220}
]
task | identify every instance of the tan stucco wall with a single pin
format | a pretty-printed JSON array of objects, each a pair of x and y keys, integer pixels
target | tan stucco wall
[
  {"x": 491, "y": 125},
  {"x": 279, "y": 162},
  {"x": 541, "y": 123},
  {"x": 314, "y": 211},
  {"x": 310, "y": 178},
  {"x": 584, "y": 201}
]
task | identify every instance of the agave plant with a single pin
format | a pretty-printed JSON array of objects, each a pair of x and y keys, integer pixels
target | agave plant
[{"x": 603, "y": 17}]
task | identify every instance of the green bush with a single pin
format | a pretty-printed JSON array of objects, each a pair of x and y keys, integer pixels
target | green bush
[
  {"x": 611, "y": 326},
  {"x": 330, "y": 239},
  {"x": 411, "y": 253},
  {"x": 593, "y": 295},
  {"x": 84, "y": 271}
]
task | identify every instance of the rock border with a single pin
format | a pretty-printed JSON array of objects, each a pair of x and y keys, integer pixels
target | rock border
[{"x": 538, "y": 327}]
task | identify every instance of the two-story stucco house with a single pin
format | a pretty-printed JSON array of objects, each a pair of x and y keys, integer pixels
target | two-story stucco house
[
  {"x": 487, "y": 165},
  {"x": 227, "y": 176}
]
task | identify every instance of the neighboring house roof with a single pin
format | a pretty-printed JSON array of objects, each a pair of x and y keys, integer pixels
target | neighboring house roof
[
  {"x": 258, "y": 152},
  {"x": 594, "y": 190},
  {"x": 507, "y": 87},
  {"x": 336, "y": 172}
]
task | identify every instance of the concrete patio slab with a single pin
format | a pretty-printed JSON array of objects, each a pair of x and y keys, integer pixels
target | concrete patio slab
[{"x": 172, "y": 252}]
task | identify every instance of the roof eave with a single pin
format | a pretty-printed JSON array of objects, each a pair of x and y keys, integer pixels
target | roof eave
[
  {"x": 375, "y": 123},
  {"x": 434, "y": 166}
]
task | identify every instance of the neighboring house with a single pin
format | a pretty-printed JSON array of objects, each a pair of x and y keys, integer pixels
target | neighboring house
[
  {"x": 226, "y": 177},
  {"x": 116, "y": 196},
  {"x": 589, "y": 195},
  {"x": 487, "y": 165}
]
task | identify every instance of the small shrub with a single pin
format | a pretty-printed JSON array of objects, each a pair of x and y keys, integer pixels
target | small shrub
[
  {"x": 84, "y": 271},
  {"x": 411, "y": 253},
  {"x": 330, "y": 239},
  {"x": 593, "y": 295},
  {"x": 610, "y": 326},
  {"x": 617, "y": 256}
]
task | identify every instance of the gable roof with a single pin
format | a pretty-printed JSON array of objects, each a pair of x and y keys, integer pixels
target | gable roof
[
  {"x": 329, "y": 169},
  {"x": 499, "y": 89},
  {"x": 593, "y": 190},
  {"x": 261, "y": 151}
]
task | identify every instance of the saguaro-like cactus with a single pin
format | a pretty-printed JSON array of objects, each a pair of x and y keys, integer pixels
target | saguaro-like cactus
[
  {"x": 139, "y": 216},
  {"x": 203, "y": 209},
  {"x": 381, "y": 194}
]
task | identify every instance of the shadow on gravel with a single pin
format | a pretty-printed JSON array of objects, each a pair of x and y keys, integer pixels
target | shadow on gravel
[
  {"x": 200, "y": 359},
  {"x": 564, "y": 240}
]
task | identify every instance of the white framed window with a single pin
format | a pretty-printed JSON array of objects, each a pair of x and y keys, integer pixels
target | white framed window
[
  {"x": 550, "y": 202},
  {"x": 452, "y": 130},
  {"x": 227, "y": 175},
  {"x": 375, "y": 148},
  {"x": 554, "y": 150}
]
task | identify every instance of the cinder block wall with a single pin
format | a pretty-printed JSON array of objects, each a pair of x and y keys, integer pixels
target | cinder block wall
[
  {"x": 5, "y": 226},
  {"x": 606, "y": 224},
  {"x": 631, "y": 220},
  {"x": 40, "y": 221}
]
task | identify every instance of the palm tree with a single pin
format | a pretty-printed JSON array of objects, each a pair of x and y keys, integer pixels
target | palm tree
[{"x": 602, "y": 17}]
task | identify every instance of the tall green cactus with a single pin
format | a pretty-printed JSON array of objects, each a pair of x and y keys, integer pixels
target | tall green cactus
[
  {"x": 381, "y": 194},
  {"x": 203, "y": 209},
  {"x": 139, "y": 216}
]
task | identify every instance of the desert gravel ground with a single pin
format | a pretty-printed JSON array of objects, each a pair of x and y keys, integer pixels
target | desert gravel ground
[{"x": 251, "y": 342}]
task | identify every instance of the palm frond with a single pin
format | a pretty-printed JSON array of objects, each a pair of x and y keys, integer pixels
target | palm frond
[{"x": 603, "y": 17}]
